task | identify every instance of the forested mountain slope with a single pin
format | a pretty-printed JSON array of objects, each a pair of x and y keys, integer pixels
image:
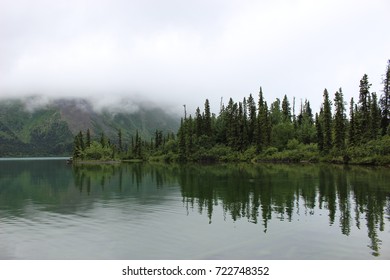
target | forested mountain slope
[{"x": 49, "y": 129}]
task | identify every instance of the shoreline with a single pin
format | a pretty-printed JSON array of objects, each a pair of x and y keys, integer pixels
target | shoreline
[{"x": 253, "y": 161}]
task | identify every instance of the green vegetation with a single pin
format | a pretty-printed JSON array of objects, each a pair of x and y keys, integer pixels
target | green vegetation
[
  {"x": 39, "y": 132},
  {"x": 244, "y": 131},
  {"x": 49, "y": 130}
]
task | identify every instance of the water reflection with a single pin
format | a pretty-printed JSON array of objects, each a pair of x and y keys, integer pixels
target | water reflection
[
  {"x": 122, "y": 177},
  {"x": 261, "y": 193},
  {"x": 38, "y": 181},
  {"x": 352, "y": 198}
]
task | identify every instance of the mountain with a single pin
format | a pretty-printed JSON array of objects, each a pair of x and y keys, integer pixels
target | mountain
[{"x": 31, "y": 129}]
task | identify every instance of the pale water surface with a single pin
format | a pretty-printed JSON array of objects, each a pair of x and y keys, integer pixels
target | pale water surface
[{"x": 50, "y": 210}]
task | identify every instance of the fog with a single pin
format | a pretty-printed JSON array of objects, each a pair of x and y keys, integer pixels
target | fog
[{"x": 174, "y": 52}]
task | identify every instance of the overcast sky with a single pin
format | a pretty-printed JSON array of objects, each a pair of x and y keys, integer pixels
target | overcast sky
[{"x": 182, "y": 52}]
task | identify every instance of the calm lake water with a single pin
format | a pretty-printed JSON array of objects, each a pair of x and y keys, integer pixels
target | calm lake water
[{"x": 50, "y": 210}]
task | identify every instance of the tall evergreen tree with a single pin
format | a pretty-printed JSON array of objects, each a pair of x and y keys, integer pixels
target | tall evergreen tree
[
  {"x": 120, "y": 140},
  {"x": 352, "y": 124},
  {"x": 88, "y": 140},
  {"x": 207, "y": 119},
  {"x": 275, "y": 112},
  {"x": 252, "y": 119},
  {"x": 198, "y": 123},
  {"x": 305, "y": 131},
  {"x": 307, "y": 112},
  {"x": 103, "y": 140},
  {"x": 232, "y": 126},
  {"x": 375, "y": 116},
  {"x": 327, "y": 122},
  {"x": 320, "y": 132},
  {"x": 81, "y": 141},
  {"x": 300, "y": 115},
  {"x": 385, "y": 100},
  {"x": 286, "y": 109},
  {"x": 268, "y": 125},
  {"x": 78, "y": 145},
  {"x": 137, "y": 150},
  {"x": 245, "y": 123},
  {"x": 363, "y": 131},
  {"x": 262, "y": 123},
  {"x": 158, "y": 139},
  {"x": 220, "y": 126},
  {"x": 294, "y": 117},
  {"x": 339, "y": 120},
  {"x": 182, "y": 141},
  {"x": 189, "y": 136},
  {"x": 241, "y": 128},
  {"x": 364, "y": 93}
]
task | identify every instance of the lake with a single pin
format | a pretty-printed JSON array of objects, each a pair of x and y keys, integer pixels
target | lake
[{"x": 51, "y": 210}]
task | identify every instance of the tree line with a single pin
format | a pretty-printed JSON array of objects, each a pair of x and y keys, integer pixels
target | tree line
[{"x": 252, "y": 129}]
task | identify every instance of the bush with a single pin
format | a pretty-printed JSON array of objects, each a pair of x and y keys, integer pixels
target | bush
[
  {"x": 295, "y": 152},
  {"x": 249, "y": 154},
  {"x": 292, "y": 144},
  {"x": 270, "y": 151},
  {"x": 97, "y": 152},
  {"x": 376, "y": 152}
]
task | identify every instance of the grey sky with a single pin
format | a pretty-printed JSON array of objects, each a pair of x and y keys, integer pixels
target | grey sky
[{"x": 182, "y": 52}]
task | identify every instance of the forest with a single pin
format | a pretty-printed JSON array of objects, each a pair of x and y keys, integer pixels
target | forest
[{"x": 251, "y": 130}]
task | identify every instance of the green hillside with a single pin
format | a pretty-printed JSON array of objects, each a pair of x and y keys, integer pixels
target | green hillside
[{"x": 49, "y": 130}]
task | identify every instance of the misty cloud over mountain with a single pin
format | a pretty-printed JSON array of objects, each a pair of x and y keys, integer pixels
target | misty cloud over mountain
[
  {"x": 182, "y": 52},
  {"x": 42, "y": 126}
]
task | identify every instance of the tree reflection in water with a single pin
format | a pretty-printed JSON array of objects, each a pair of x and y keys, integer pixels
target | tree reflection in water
[{"x": 354, "y": 198}]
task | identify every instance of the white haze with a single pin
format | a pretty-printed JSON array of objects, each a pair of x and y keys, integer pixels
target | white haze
[
  {"x": 114, "y": 104},
  {"x": 174, "y": 52}
]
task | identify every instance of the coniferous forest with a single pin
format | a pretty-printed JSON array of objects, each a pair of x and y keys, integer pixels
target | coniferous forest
[{"x": 352, "y": 131}]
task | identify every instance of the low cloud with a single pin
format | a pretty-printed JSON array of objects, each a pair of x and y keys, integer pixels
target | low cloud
[{"x": 121, "y": 53}]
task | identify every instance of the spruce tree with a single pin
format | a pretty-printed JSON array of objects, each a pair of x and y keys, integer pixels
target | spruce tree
[
  {"x": 207, "y": 119},
  {"x": 103, "y": 140},
  {"x": 198, "y": 123},
  {"x": 364, "y": 93},
  {"x": 78, "y": 146},
  {"x": 252, "y": 119},
  {"x": 268, "y": 125},
  {"x": 182, "y": 141},
  {"x": 300, "y": 116},
  {"x": 158, "y": 139},
  {"x": 305, "y": 131},
  {"x": 307, "y": 112},
  {"x": 320, "y": 132},
  {"x": 262, "y": 123},
  {"x": 363, "y": 115},
  {"x": 245, "y": 123},
  {"x": 327, "y": 122},
  {"x": 286, "y": 109},
  {"x": 241, "y": 131},
  {"x": 232, "y": 126},
  {"x": 120, "y": 140},
  {"x": 275, "y": 112},
  {"x": 189, "y": 136},
  {"x": 137, "y": 151},
  {"x": 375, "y": 117},
  {"x": 339, "y": 121},
  {"x": 352, "y": 124},
  {"x": 385, "y": 100},
  {"x": 88, "y": 140},
  {"x": 294, "y": 117},
  {"x": 81, "y": 141}
]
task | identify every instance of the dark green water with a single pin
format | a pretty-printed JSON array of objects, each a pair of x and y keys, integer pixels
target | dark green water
[{"x": 49, "y": 210}]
